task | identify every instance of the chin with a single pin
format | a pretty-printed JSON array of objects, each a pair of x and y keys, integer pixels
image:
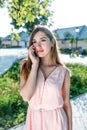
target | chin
[{"x": 41, "y": 56}]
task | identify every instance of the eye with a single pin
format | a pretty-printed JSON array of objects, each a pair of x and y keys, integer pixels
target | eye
[{"x": 43, "y": 40}]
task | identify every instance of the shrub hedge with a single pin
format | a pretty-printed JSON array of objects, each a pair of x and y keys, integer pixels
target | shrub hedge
[{"x": 12, "y": 107}]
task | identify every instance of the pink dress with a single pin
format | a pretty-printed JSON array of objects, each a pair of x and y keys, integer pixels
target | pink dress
[{"x": 45, "y": 110}]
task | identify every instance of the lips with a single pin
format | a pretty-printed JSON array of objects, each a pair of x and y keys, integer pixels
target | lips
[{"x": 40, "y": 51}]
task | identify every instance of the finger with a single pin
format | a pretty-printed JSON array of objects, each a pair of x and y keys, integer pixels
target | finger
[{"x": 33, "y": 47}]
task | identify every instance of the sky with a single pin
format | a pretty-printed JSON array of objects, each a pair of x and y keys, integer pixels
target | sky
[{"x": 67, "y": 13}]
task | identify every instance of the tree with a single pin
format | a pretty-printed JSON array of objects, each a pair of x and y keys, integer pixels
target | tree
[
  {"x": 3, "y": 3},
  {"x": 72, "y": 40},
  {"x": 70, "y": 37},
  {"x": 85, "y": 40},
  {"x": 15, "y": 37},
  {"x": 28, "y": 13}
]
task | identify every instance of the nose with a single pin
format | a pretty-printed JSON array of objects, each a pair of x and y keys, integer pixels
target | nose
[{"x": 37, "y": 44}]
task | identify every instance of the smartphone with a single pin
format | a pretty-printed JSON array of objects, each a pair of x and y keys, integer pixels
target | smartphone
[{"x": 35, "y": 54}]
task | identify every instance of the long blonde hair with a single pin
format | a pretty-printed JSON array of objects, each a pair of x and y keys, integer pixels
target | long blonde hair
[{"x": 26, "y": 64}]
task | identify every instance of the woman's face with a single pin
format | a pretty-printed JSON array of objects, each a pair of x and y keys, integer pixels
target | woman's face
[{"x": 42, "y": 44}]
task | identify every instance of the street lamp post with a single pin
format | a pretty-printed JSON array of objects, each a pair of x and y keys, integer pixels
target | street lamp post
[{"x": 77, "y": 34}]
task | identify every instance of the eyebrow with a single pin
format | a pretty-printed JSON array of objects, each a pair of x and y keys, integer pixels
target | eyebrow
[{"x": 43, "y": 37}]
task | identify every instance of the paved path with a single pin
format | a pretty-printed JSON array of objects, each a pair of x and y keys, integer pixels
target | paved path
[
  {"x": 79, "y": 111},
  {"x": 78, "y": 59},
  {"x": 9, "y": 56}
]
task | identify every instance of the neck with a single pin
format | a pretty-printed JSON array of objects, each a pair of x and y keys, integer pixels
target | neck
[{"x": 46, "y": 61}]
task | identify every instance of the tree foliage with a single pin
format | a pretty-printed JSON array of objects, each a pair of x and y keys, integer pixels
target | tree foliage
[
  {"x": 1, "y": 3},
  {"x": 15, "y": 36},
  {"x": 85, "y": 40},
  {"x": 28, "y": 13}
]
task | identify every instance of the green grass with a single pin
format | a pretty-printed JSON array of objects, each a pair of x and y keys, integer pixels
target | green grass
[{"x": 13, "y": 109}]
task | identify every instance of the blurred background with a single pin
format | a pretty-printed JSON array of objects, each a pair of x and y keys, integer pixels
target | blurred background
[{"x": 67, "y": 19}]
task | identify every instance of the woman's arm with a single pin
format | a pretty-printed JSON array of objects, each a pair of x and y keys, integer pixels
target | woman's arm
[
  {"x": 67, "y": 105},
  {"x": 27, "y": 87}
]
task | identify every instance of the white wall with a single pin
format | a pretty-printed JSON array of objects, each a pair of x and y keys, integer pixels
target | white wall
[{"x": 66, "y": 44}]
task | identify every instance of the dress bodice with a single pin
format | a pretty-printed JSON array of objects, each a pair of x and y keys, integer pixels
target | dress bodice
[{"x": 47, "y": 94}]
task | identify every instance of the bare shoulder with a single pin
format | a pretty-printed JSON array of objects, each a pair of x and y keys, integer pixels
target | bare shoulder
[{"x": 65, "y": 69}]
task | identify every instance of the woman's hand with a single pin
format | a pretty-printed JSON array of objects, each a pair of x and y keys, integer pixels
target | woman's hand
[{"x": 34, "y": 58}]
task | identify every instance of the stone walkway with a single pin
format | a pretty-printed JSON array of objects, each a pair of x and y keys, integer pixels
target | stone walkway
[
  {"x": 79, "y": 110},
  {"x": 79, "y": 114}
]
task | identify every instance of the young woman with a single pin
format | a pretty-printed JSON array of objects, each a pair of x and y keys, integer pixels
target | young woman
[{"x": 45, "y": 84}]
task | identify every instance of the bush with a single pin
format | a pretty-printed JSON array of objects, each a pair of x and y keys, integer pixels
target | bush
[
  {"x": 78, "y": 79},
  {"x": 12, "y": 107},
  {"x": 84, "y": 52},
  {"x": 70, "y": 51}
]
